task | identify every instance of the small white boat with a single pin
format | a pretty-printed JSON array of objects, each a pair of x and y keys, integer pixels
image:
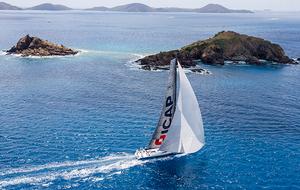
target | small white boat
[{"x": 180, "y": 127}]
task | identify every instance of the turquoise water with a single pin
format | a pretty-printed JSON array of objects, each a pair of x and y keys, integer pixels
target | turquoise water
[{"x": 75, "y": 122}]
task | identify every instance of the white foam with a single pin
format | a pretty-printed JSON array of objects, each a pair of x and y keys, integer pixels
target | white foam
[
  {"x": 103, "y": 52},
  {"x": 296, "y": 60},
  {"x": 132, "y": 64},
  {"x": 83, "y": 170},
  {"x": 64, "y": 164},
  {"x": 42, "y": 57},
  {"x": 2, "y": 53},
  {"x": 96, "y": 179},
  {"x": 81, "y": 52},
  {"x": 203, "y": 72},
  {"x": 273, "y": 19}
]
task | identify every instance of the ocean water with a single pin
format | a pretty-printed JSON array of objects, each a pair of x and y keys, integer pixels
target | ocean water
[{"x": 75, "y": 122}]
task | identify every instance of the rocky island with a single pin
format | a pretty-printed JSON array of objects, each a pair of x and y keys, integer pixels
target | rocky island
[
  {"x": 226, "y": 46},
  {"x": 33, "y": 46}
]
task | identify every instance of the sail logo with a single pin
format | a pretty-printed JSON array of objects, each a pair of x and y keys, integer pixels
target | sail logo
[{"x": 167, "y": 121}]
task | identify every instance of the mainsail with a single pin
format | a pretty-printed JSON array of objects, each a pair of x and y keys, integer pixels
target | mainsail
[
  {"x": 186, "y": 133},
  {"x": 168, "y": 110}
]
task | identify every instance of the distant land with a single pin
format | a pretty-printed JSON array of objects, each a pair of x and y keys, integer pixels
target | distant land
[
  {"x": 50, "y": 7},
  {"x": 6, "y": 6},
  {"x": 133, "y": 7},
  {"x": 215, "y": 8},
  {"x": 138, "y": 7},
  {"x": 98, "y": 9}
]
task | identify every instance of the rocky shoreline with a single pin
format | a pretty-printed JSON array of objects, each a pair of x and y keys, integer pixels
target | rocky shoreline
[
  {"x": 34, "y": 46},
  {"x": 224, "y": 47}
]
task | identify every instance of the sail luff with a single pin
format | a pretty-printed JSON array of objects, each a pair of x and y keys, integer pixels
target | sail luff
[
  {"x": 192, "y": 114},
  {"x": 168, "y": 110}
]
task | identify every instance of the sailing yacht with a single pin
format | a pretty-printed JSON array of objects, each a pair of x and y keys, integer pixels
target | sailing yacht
[{"x": 180, "y": 127}]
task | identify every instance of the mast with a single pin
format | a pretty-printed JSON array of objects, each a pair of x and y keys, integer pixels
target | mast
[{"x": 167, "y": 113}]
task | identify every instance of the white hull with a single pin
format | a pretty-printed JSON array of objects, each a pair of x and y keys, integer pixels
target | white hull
[{"x": 143, "y": 154}]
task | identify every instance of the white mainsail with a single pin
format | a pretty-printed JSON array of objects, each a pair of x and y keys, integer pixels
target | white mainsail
[
  {"x": 167, "y": 112},
  {"x": 186, "y": 134}
]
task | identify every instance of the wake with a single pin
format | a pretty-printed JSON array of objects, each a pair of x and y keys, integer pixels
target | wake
[
  {"x": 81, "y": 52},
  {"x": 82, "y": 170}
]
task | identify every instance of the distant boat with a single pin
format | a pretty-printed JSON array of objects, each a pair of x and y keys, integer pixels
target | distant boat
[{"x": 180, "y": 127}]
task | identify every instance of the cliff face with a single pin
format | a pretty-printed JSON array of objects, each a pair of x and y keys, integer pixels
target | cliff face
[
  {"x": 224, "y": 46},
  {"x": 33, "y": 46}
]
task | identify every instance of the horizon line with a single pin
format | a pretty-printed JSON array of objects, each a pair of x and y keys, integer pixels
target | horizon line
[{"x": 95, "y": 6}]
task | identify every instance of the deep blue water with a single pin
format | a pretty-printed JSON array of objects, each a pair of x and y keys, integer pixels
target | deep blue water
[{"x": 75, "y": 122}]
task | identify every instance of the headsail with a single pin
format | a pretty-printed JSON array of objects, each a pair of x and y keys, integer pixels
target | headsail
[
  {"x": 186, "y": 134},
  {"x": 168, "y": 110}
]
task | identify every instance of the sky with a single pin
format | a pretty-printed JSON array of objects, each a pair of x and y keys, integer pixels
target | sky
[{"x": 276, "y": 5}]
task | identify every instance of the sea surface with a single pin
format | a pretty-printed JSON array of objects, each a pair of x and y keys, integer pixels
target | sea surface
[{"x": 75, "y": 122}]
